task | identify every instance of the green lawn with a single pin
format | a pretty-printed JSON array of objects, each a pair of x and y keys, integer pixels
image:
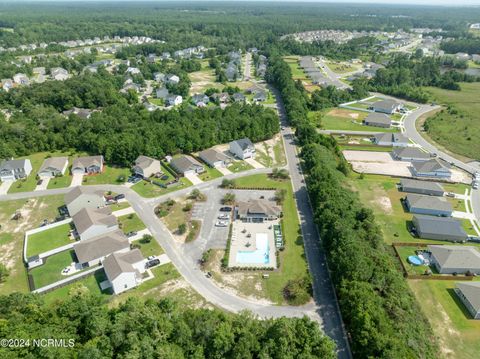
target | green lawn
[
  {"x": 239, "y": 166},
  {"x": 406, "y": 251},
  {"x": 210, "y": 174},
  {"x": 119, "y": 206},
  {"x": 110, "y": 175},
  {"x": 292, "y": 260},
  {"x": 150, "y": 190},
  {"x": 149, "y": 249},
  {"x": 451, "y": 322},
  {"x": 34, "y": 211},
  {"x": 60, "y": 182},
  {"x": 49, "y": 239},
  {"x": 342, "y": 67},
  {"x": 457, "y": 131},
  {"x": 131, "y": 222},
  {"x": 345, "y": 119},
  {"x": 51, "y": 270}
]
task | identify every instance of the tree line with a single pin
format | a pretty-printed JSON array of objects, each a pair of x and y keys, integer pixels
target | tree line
[
  {"x": 380, "y": 313},
  {"x": 152, "y": 329}
]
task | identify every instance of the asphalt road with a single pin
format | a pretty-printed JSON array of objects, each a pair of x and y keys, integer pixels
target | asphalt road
[
  {"x": 333, "y": 76},
  {"x": 323, "y": 292},
  {"x": 248, "y": 62}
]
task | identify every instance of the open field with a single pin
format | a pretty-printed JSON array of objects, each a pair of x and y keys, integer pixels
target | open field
[
  {"x": 342, "y": 67},
  {"x": 239, "y": 166},
  {"x": 271, "y": 153},
  {"x": 34, "y": 211},
  {"x": 49, "y": 239},
  {"x": 450, "y": 320},
  {"x": 110, "y": 175},
  {"x": 458, "y": 130},
  {"x": 202, "y": 80},
  {"x": 344, "y": 119}
]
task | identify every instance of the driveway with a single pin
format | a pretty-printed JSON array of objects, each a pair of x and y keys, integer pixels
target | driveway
[
  {"x": 76, "y": 180},
  {"x": 43, "y": 186},
  {"x": 254, "y": 163},
  {"x": 123, "y": 212},
  {"x": 193, "y": 177},
  {"x": 224, "y": 170},
  {"x": 5, "y": 186}
]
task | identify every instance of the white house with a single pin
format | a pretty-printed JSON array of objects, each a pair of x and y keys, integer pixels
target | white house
[
  {"x": 243, "y": 148},
  {"x": 91, "y": 223},
  {"x": 124, "y": 270},
  {"x": 21, "y": 79},
  {"x": 53, "y": 166},
  {"x": 174, "y": 100},
  {"x": 59, "y": 74},
  {"x": 93, "y": 251},
  {"x": 12, "y": 170},
  {"x": 214, "y": 158},
  {"x": 172, "y": 79},
  {"x": 146, "y": 166}
]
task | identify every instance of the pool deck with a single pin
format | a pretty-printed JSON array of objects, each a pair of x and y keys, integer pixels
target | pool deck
[{"x": 243, "y": 233}]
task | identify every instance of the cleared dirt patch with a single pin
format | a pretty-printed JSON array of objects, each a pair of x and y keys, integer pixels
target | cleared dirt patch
[{"x": 343, "y": 113}]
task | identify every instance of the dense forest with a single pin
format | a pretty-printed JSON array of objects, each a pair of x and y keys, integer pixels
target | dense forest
[
  {"x": 468, "y": 45},
  {"x": 152, "y": 329},
  {"x": 380, "y": 313}
]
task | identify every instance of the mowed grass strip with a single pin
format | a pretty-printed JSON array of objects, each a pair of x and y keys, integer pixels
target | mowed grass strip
[{"x": 48, "y": 239}]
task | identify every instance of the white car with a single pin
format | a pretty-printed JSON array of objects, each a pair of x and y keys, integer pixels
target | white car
[
  {"x": 223, "y": 216},
  {"x": 151, "y": 258},
  {"x": 66, "y": 270},
  {"x": 475, "y": 185},
  {"x": 221, "y": 224}
]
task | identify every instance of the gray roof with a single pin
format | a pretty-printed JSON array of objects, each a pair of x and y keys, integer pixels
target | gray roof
[
  {"x": 471, "y": 291},
  {"x": 432, "y": 165},
  {"x": 379, "y": 118},
  {"x": 456, "y": 256},
  {"x": 258, "y": 206},
  {"x": 244, "y": 143},
  {"x": 101, "y": 246},
  {"x": 422, "y": 185},
  {"x": 87, "y": 161},
  {"x": 386, "y": 105},
  {"x": 87, "y": 217},
  {"x": 57, "y": 163},
  {"x": 118, "y": 263},
  {"x": 410, "y": 152},
  {"x": 211, "y": 155},
  {"x": 13, "y": 164},
  {"x": 391, "y": 137},
  {"x": 446, "y": 226},
  {"x": 78, "y": 191},
  {"x": 184, "y": 163},
  {"x": 429, "y": 202},
  {"x": 144, "y": 162}
]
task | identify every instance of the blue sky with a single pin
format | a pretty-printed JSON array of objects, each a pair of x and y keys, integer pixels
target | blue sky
[{"x": 418, "y": 2}]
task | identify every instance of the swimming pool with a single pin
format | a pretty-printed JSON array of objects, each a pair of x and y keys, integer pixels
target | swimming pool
[
  {"x": 260, "y": 255},
  {"x": 415, "y": 260}
]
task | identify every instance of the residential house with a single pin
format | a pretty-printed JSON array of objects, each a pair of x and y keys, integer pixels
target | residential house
[
  {"x": 11, "y": 170},
  {"x": 174, "y": 100},
  {"x": 93, "y": 251},
  {"x": 159, "y": 77},
  {"x": 39, "y": 71},
  {"x": 430, "y": 168},
  {"x": 214, "y": 158},
  {"x": 455, "y": 259},
  {"x": 162, "y": 93},
  {"x": 469, "y": 294},
  {"x": 377, "y": 119},
  {"x": 83, "y": 113},
  {"x": 59, "y": 74},
  {"x": 440, "y": 228},
  {"x": 238, "y": 97},
  {"x": 80, "y": 197},
  {"x": 243, "y": 148},
  {"x": 53, "y": 166},
  {"x": 222, "y": 97},
  {"x": 258, "y": 210},
  {"x": 21, "y": 79},
  {"x": 7, "y": 84},
  {"x": 87, "y": 165},
  {"x": 231, "y": 72},
  {"x": 421, "y": 187},
  {"x": 146, "y": 167},
  {"x": 431, "y": 205},
  {"x": 133, "y": 71},
  {"x": 172, "y": 79},
  {"x": 260, "y": 96},
  {"x": 124, "y": 270},
  {"x": 410, "y": 154},
  {"x": 91, "y": 223},
  {"x": 391, "y": 139},
  {"x": 387, "y": 106},
  {"x": 200, "y": 99},
  {"x": 186, "y": 165}
]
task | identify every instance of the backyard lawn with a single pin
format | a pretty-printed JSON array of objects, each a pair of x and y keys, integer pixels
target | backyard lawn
[
  {"x": 49, "y": 239},
  {"x": 210, "y": 174},
  {"x": 292, "y": 261},
  {"x": 239, "y": 166},
  {"x": 51, "y": 270},
  {"x": 34, "y": 211},
  {"x": 450, "y": 320},
  {"x": 131, "y": 222},
  {"x": 110, "y": 175},
  {"x": 149, "y": 249}
]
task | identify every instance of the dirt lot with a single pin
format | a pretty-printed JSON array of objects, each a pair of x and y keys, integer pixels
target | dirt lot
[{"x": 343, "y": 113}]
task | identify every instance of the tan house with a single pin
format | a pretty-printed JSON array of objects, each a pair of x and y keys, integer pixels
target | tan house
[
  {"x": 147, "y": 167},
  {"x": 87, "y": 165}
]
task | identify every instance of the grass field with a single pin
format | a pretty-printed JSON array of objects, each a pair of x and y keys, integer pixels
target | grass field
[
  {"x": 239, "y": 166},
  {"x": 450, "y": 320},
  {"x": 60, "y": 182},
  {"x": 51, "y": 270},
  {"x": 148, "y": 190},
  {"x": 210, "y": 174},
  {"x": 292, "y": 260},
  {"x": 34, "y": 211},
  {"x": 110, "y": 175},
  {"x": 457, "y": 132},
  {"x": 131, "y": 222},
  {"x": 49, "y": 239},
  {"x": 342, "y": 67}
]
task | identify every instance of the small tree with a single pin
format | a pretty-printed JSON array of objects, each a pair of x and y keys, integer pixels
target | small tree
[
  {"x": 147, "y": 238},
  {"x": 188, "y": 207},
  {"x": 280, "y": 195},
  {"x": 182, "y": 228},
  {"x": 280, "y": 173},
  {"x": 196, "y": 195},
  {"x": 229, "y": 198},
  {"x": 226, "y": 183}
]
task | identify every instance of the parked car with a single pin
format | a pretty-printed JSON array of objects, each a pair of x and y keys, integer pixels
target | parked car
[
  {"x": 223, "y": 216},
  {"x": 221, "y": 224},
  {"x": 164, "y": 178},
  {"x": 119, "y": 196},
  {"x": 226, "y": 209},
  {"x": 151, "y": 258},
  {"x": 450, "y": 194},
  {"x": 152, "y": 263},
  {"x": 475, "y": 185},
  {"x": 39, "y": 182},
  {"x": 131, "y": 234},
  {"x": 66, "y": 270}
]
